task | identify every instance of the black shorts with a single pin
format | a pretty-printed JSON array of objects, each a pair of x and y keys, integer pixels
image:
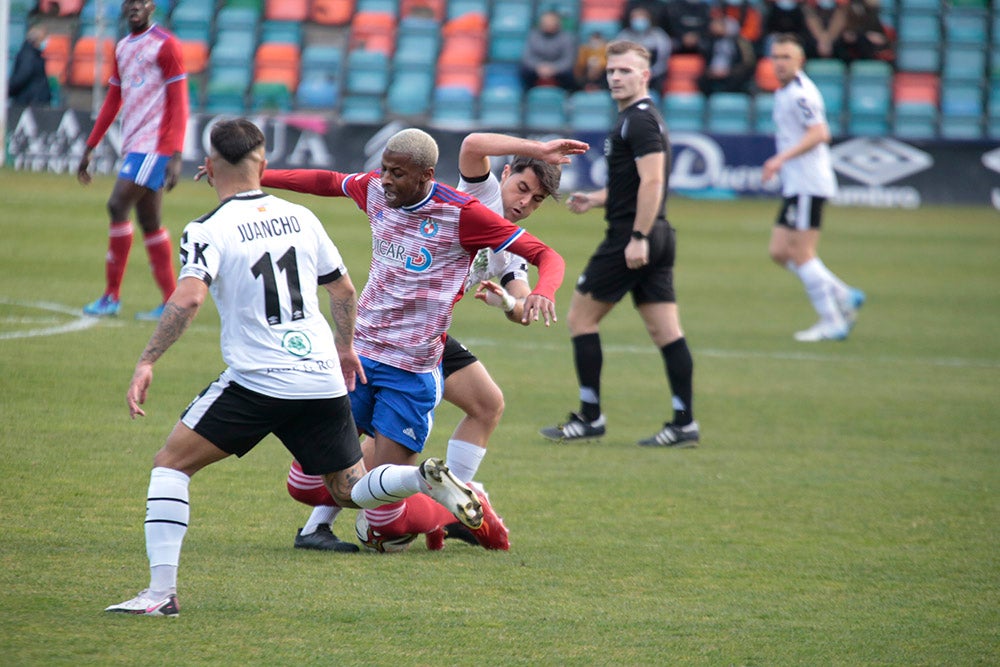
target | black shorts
[
  {"x": 319, "y": 432},
  {"x": 801, "y": 212},
  {"x": 456, "y": 357},
  {"x": 607, "y": 278}
]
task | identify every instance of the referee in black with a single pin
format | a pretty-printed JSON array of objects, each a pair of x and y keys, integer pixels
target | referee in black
[{"x": 636, "y": 257}]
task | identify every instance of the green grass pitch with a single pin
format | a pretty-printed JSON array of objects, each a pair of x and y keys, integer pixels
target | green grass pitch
[{"x": 843, "y": 507}]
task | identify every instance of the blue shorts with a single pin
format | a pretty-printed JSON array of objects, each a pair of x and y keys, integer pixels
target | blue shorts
[
  {"x": 397, "y": 403},
  {"x": 146, "y": 169}
]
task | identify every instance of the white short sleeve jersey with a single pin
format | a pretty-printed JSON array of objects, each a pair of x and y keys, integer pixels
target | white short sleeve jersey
[
  {"x": 500, "y": 266},
  {"x": 263, "y": 258},
  {"x": 798, "y": 105}
]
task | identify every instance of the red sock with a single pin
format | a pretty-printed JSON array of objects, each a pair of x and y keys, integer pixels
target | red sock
[
  {"x": 417, "y": 514},
  {"x": 161, "y": 261},
  {"x": 308, "y": 489},
  {"x": 119, "y": 245}
]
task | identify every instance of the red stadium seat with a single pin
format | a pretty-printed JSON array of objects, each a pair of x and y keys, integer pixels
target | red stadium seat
[
  {"x": 601, "y": 10},
  {"x": 765, "y": 77},
  {"x": 373, "y": 31},
  {"x": 916, "y": 87},
  {"x": 286, "y": 10},
  {"x": 278, "y": 63},
  {"x": 83, "y": 65},
  {"x": 683, "y": 71},
  {"x": 57, "y": 51},
  {"x": 195, "y": 56}
]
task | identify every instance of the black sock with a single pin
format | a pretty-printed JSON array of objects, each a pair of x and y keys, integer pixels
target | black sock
[
  {"x": 680, "y": 374},
  {"x": 588, "y": 358}
]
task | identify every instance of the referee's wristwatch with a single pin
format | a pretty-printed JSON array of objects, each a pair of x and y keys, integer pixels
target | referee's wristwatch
[{"x": 639, "y": 236}]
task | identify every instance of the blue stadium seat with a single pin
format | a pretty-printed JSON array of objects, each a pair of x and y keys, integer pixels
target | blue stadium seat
[
  {"x": 500, "y": 107},
  {"x": 592, "y": 111},
  {"x": 964, "y": 63},
  {"x": 918, "y": 29},
  {"x": 915, "y": 120},
  {"x": 237, "y": 75},
  {"x": 511, "y": 16},
  {"x": 507, "y": 48},
  {"x": 868, "y": 126},
  {"x": 607, "y": 28},
  {"x": 870, "y": 71},
  {"x": 728, "y": 113},
  {"x": 501, "y": 75},
  {"x": 238, "y": 18},
  {"x": 281, "y": 32},
  {"x": 453, "y": 107},
  {"x": 270, "y": 97},
  {"x": 869, "y": 99},
  {"x": 545, "y": 108},
  {"x": 381, "y": 6},
  {"x": 410, "y": 92},
  {"x": 367, "y": 72},
  {"x": 961, "y": 128},
  {"x": 826, "y": 70},
  {"x": 316, "y": 92},
  {"x": 322, "y": 59},
  {"x": 763, "y": 106},
  {"x": 224, "y": 97},
  {"x": 684, "y": 112},
  {"x": 833, "y": 98},
  {"x": 233, "y": 49},
  {"x": 961, "y": 100},
  {"x": 417, "y": 49},
  {"x": 362, "y": 109},
  {"x": 462, "y": 7},
  {"x": 966, "y": 26}
]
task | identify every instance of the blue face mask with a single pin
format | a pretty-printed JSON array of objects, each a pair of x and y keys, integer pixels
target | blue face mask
[
  {"x": 43, "y": 44},
  {"x": 786, "y": 4},
  {"x": 640, "y": 24}
]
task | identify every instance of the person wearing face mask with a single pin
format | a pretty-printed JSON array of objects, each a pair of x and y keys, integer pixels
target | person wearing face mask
[
  {"x": 786, "y": 17},
  {"x": 729, "y": 58},
  {"x": 641, "y": 30},
  {"x": 549, "y": 54},
  {"x": 28, "y": 84},
  {"x": 745, "y": 15},
  {"x": 825, "y": 20}
]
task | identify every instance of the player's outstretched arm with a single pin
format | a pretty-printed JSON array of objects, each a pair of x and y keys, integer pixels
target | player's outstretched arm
[{"x": 478, "y": 147}]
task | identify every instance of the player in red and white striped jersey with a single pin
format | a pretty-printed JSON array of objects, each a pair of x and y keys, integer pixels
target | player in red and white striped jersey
[{"x": 149, "y": 86}]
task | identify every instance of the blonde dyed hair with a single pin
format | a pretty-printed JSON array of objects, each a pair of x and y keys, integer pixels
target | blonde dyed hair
[{"x": 417, "y": 145}]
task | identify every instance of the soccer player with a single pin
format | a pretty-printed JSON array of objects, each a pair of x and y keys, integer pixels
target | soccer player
[
  {"x": 501, "y": 280},
  {"x": 424, "y": 236},
  {"x": 807, "y": 181},
  {"x": 149, "y": 86},
  {"x": 262, "y": 259},
  {"x": 636, "y": 256}
]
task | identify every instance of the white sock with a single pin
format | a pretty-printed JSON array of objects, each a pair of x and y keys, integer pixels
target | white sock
[
  {"x": 387, "y": 484},
  {"x": 464, "y": 458},
  {"x": 167, "y": 514},
  {"x": 321, "y": 514},
  {"x": 821, "y": 291},
  {"x": 840, "y": 288}
]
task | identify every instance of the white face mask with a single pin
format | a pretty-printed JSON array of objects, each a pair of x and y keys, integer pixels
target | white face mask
[
  {"x": 786, "y": 4},
  {"x": 827, "y": 4}
]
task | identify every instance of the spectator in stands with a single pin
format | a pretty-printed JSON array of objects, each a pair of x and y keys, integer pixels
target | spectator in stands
[
  {"x": 549, "y": 54},
  {"x": 730, "y": 60},
  {"x": 864, "y": 36},
  {"x": 686, "y": 21},
  {"x": 642, "y": 30},
  {"x": 591, "y": 60},
  {"x": 749, "y": 19},
  {"x": 28, "y": 84},
  {"x": 825, "y": 20},
  {"x": 782, "y": 17}
]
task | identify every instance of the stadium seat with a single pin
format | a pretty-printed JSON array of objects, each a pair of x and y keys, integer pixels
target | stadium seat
[
  {"x": 367, "y": 73},
  {"x": 224, "y": 97},
  {"x": 435, "y": 8},
  {"x": 453, "y": 107},
  {"x": 763, "y": 106},
  {"x": 545, "y": 108},
  {"x": 236, "y": 75},
  {"x": 601, "y": 10},
  {"x": 507, "y": 48},
  {"x": 916, "y": 87},
  {"x": 378, "y": 6},
  {"x": 918, "y": 58},
  {"x": 500, "y": 107},
  {"x": 870, "y": 71},
  {"x": 232, "y": 49},
  {"x": 511, "y": 16},
  {"x": 321, "y": 59},
  {"x": 683, "y": 70},
  {"x": 961, "y": 128},
  {"x": 609, "y": 29},
  {"x": 915, "y": 120},
  {"x": 591, "y": 111},
  {"x": 868, "y": 126},
  {"x": 826, "y": 70},
  {"x": 57, "y": 52},
  {"x": 918, "y": 29},
  {"x": 966, "y": 27},
  {"x": 501, "y": 75},
  {"x": 869, "y": 99},
  {"x": 684, "y": 112},
  {"x": 331, "y": 12},
  {"x": 964, "y": 63},
  {"x": 475, "y": 25},
  {"x": 270, "y": 97},
  {"x": 316, "y": 92},
  {"x": 417, "y": 49},
  {"x": 410, "y": 93},
  {"x": 112, "y": 13},
  {"x": 373, "y": 31},
  {"x": 362, "y": 109},
  {"x": 470, "y": 79},
  {"x": 764, "y": 77},
  {"x": 961, "y": 100},
  {"x": 728, "y": 113},
  {"x": 82, "y": 68},
  {"x": 237, "y": 18},
  {"x": 278, "y": 63},
  {"x": 458, "y": 8},
  {"x": 195, "y": 56},
  {"x": 284, "y": 32},
  {"x": 286, "y": 10}
]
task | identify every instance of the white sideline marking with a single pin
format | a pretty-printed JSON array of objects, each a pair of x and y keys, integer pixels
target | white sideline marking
[
  {"x": 747, "y": 354},
  {"x": 81, "y": 322}
]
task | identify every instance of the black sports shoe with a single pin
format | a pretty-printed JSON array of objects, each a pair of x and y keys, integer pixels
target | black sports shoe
[
  {"x": 674, "y": 436},
  {"x": 575, "y": 428},
  {"x": 458, "y": 531},
  {"x": 323, "y": 539}
]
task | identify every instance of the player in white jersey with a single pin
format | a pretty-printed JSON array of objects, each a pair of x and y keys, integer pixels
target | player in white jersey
[
  {"x": 807, "y": 182},
  {"x": 424, "y": 237},
  {"x": 501, "y": 280},
  {"x": 262, "y": 259},
  {"x": 149, "y": 86}
]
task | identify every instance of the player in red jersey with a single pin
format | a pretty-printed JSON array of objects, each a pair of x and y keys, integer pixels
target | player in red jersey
[
  {"x": 425, "y": 235},
  {"x": 149, "y": 86}
]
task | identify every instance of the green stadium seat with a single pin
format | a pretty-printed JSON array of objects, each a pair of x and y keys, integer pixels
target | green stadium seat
[{"x": 684, "y": 112}]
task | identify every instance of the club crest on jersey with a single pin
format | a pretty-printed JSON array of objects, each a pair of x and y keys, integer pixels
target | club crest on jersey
[
  {"x": 296, "y": 343},
  {"x": 428, "y": 228}
]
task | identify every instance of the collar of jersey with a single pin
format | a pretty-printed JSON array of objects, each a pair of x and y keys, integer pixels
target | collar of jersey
[
  {"x": 248, "y": 194},
  {"x": 132, "y": 37},
  {"x": 414, "y": 207}
]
